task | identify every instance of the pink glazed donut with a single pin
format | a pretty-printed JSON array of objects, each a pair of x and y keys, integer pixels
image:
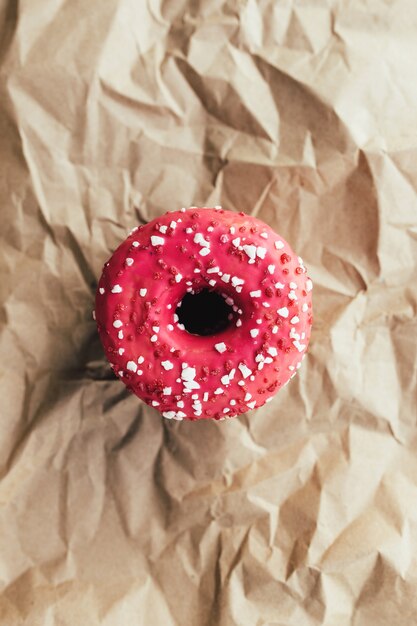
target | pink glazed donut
[{"x": 204, "y": 313}]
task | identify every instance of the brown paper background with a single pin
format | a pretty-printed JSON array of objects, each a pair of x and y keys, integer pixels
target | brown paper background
[{"x": 303, "y": 113}]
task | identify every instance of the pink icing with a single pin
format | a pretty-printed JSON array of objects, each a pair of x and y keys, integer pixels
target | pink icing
[{"x": 182, "y": 375}]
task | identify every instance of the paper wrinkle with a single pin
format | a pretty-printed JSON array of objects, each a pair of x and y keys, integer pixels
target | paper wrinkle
[{"x": 304, "y": 512}]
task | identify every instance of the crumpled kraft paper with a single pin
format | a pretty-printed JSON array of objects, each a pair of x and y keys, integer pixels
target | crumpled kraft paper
[{"x": 302, "y": 113}]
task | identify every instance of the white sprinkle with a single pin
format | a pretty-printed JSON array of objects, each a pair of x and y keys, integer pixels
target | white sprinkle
[
  {"x": 140, "y": 360},
  {"x": 236, "y": 242},
  {"x": 293, "y": 285},
  {"x": 229, "y": 301},
  {"x": 135, "y": 244},
  {"x": 163, "y": 229},
  {"x": 244, "y": 370},
  {"x": 169, "y": 306},
  {"x": 309, "y": 284},
  {"x": 120, "y": 373},
  {"x": 266, "y": 305},
  {"x": 225, "y": 380},
  {"x": 213, "y": 270},
  {"x": 116, "y": 289},
  {"x": 238, "y": 289},
  {"x": 121, "y": 351},
  {"x": 183, "y": 210},
  {"x": 167, "y": 365},
  {"x": 220, "y": 347},
  {"x": 292, "y": 295},
  {"x": 205, "y": 396},
  {"x": 268, "y": 360},
  {"x": 232, "y": 402},
  {"x": 188, "y": 373},
  {"x": 198, "y": 238},
  {"x": 101, "y": 290},
  {"x": 254, "y": 332},
  {"x": 279, "y": 286},
  {"x": 238, "y": 323},
  {"x": 251, "y": 405},
  {"x": 260, "y": 252},
  {"x": 283, "y": 311},
  {"x": 294, "y": 320},
  {"x": 275, "y": 330},
  {"x": 155, "y": 403},
  {"x": 139, "y": 372},
  {"x": 188, "y": 231},
  {"x": 155, "y": 329},
  {"x": 250, "y": 251},
  {"x": 210, "y": 229},
  {"x": 129, "y": 261},
  {"x": 264, "y": 235},
  {"x": 271, "y": 269},
  {"x": 241, "y": 383},
  {"x": 300, "y": 346},
  {"x": 212, "y": 282},
  {"x": 226, "y": 278},
  {"x": 170, "y": 327},
  {"x": 120, "y": 334},
  {"x": 157, "y": 241},
  {"x": 143, "y": 292},
  {"x": 232, "y": 230},
  {"x": 237, "y": 281},
  {"x": 247, "y": 397},
  {"x": 131, "y": 366},
  {"x": 272, "y": 351},
  {"x": 291, "y": 368},
  {"x": 204, "y": 251},
  {"x": 279, "y": 245},
  {"x": 176, "y": 318},
  {"x": 255, "y": 294},
  {"x": 169, "y": 414},
  {"x": 218, "y": 391},
  {"x": 178, "y": 278},
  {"x": 173, "y": 224},
  {"x": 180, "y": 404},
  {"x": 304, "y": 308},
  {"x": 154, "y": 338},
  {"x": 181, "y": 326},
  {"x": 259, "y": 358},
  {"x": 259, "y": 321},
  {"x": 117, "y": 323}
]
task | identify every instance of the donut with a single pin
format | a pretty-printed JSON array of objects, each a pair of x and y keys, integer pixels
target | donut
[{"x": 204, "y": 313}]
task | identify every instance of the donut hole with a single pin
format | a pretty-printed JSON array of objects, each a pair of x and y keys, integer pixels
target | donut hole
[{"x": 204, "y": 313}]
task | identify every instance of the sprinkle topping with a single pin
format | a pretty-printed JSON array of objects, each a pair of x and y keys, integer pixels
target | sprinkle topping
[{"x": 220, "y": 347}]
